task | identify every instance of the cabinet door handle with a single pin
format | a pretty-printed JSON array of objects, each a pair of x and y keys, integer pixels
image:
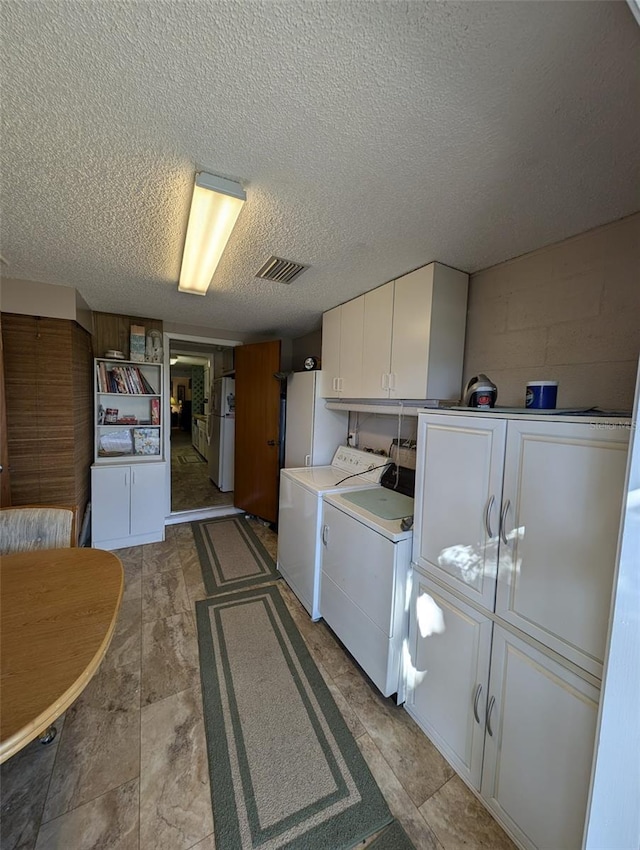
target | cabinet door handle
[
  {"x": 307, "y": 460},
  {"x": 325, "y": 535},
  {"x": 340, "y": 386},
  {"x": 487, "y": 516},
  {"x": 385, "y": 382},
  {"x": 133, "y": 477},
  {"x": 475, "y": 703},
  {"x": 335, "y": 385},
  {"x": 126, "y": 479},
  {"x": 503, "y": 520},
  {"x": 392, "y": 381},
  {"x": 492, "y": 702}
]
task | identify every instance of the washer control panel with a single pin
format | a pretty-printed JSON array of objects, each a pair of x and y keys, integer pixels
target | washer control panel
[{"x": 367, "y": 465}]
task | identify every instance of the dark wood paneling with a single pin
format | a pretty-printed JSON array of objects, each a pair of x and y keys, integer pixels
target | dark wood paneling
[
  {"x": 111, "y": 330},
  {"x": 48, "y": 390}
]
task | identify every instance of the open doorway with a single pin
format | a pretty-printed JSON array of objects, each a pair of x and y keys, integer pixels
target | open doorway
[{"x": 199, "y": 422}]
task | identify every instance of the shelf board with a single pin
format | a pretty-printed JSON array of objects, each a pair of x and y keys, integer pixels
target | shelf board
[
  {"x": 132, "y": 395},
  {"x": 126, "y": 425}
]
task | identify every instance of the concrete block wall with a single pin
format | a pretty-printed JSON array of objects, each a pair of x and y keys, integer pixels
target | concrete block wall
[{"x": 569, "y": 312}]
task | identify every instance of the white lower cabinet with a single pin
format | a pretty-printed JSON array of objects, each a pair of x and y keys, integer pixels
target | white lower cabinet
[
  {"x": 516, "y": 724},
  {"x": 127, "y": 504},
  {"x": 448, "y": 676},
  {"x": 541, "y": 726}
]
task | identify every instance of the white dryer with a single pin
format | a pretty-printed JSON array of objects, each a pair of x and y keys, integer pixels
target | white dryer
[
  {"x": 365, "y": 564},
  {"x": 300, "y": 515}
]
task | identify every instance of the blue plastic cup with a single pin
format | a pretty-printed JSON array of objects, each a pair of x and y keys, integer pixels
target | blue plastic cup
[{"x": 542, "y": 395}]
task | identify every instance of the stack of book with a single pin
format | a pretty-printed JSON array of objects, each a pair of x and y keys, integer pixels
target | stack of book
[{"x": 123, "y": 379}]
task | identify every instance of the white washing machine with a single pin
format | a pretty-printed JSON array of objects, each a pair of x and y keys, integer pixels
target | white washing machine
[
  {"x": 300, "y": 515},
  {"x": 366, "y": 557}
]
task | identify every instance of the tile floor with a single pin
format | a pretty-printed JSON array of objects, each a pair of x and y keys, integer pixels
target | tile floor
[
  {"x": 128, "y": 769},
  {"x": 191, "y": 487}
]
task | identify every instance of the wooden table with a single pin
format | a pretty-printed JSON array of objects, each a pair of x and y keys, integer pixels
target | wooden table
[{"x": 58, "y": 614}]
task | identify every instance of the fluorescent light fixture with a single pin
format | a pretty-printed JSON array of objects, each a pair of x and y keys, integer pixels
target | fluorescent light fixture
[{"x": 215, "y": 208}]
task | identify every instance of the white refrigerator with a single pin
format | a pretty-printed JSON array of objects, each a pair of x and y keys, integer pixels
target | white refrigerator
[
  {"x": 312, "y": 433},
  {"x": 222, "y": 432}
]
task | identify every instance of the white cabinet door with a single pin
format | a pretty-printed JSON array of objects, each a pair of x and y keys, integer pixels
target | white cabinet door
[
  {"x": 562, "y": 496},
  {"x": 458, "y": 487},
  {"x": 410, "y": 336},
  {"x": 351, "y": 332},
  {"x": 376, "y": 345},
  {"x": 110, "y": 492},
  {"x": 147, "y": 498},
  {"x": 429, "y": 321},
  {"x": 331, "y": 325},
  {"x": 541, "y": 722},
  {"x": 447, "y": 682}
]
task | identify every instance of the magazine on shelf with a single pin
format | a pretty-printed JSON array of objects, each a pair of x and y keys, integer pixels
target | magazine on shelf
[{"x": 146, "y": 441}]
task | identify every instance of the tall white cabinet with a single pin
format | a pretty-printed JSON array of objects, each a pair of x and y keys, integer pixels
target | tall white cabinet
[
  {"x": 403, "y": 340},
  {"x": 312, "y": 433},
  {"x": 128, "y": 473},
  {"x": 514, "y": 551}
]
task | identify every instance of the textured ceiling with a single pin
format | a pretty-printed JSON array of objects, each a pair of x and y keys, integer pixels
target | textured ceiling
[{"x": 371, "y": 138}]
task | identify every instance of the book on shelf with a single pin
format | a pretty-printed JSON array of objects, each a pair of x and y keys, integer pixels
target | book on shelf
[
  {"x": 123, "y": 379},
  {"x": 155, "y": 411}
]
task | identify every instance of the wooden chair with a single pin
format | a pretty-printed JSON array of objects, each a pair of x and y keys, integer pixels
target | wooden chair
[{"x": 27, "y": 527}]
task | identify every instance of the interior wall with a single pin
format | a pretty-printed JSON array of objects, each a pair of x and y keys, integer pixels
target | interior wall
[
  {"x": 309, "y": 345},
  {"x": 48, "y": 384},
  {"x": 377, "y": 430},
  {"x": 113, "y": 331},
  {"x": 33, "y": 298},
  {"x": 568, "y": 313}
]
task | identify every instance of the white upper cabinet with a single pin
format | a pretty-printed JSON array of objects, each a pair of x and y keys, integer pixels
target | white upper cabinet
[
  {"x": 342, "y": 330},
  {"x": 429, "y": 321},
  {"x": 376, "y": 343},
  {"x": 331, "y": 324},
  {"x": 402, "y": 340},
  {"x": 351, "y": 330}
]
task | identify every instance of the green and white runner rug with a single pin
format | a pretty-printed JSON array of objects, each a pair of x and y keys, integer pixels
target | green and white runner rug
[
  {"x": 231, "y": 556},
  {"x": 285, "y": 770}
]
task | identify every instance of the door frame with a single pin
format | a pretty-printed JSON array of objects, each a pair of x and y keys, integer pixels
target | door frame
[{"x": 173, "y": 517}]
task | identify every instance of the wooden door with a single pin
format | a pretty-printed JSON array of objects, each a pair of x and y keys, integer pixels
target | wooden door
[
  {"x": 5, "y": 484},
  {"x": 257, "y": 452}
]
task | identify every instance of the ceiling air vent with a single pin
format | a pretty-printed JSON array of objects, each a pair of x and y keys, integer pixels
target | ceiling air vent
[{"x": 282, "y": 271}]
